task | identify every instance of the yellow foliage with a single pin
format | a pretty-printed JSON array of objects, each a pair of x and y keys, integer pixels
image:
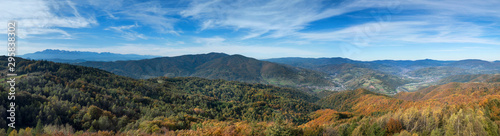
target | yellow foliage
[{"x": 13, "y": 133}]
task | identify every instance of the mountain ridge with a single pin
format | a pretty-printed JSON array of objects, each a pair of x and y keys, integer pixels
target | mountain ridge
[{"x": 215, "y": 66}]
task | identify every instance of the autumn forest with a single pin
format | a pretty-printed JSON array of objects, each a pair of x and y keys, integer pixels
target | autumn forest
[{"x": 66, "y": 99}]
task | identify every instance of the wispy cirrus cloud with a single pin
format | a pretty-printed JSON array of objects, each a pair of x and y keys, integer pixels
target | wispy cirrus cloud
[
  {"x": 127, "y": 32},
  {"x": 378, "y": 33},
  {"x": 155, "y": 14},
  {"x": 274, "y": 19},
  {"x": 37, "y": 17},
  {"x": 461, "y": 49},
  {"x": 436, "y": 22},
  {"x": 210, "y": 41},
  {"x": 452, "y": 7}
]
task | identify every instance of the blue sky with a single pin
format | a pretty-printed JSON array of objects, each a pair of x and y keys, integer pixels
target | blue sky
[{"x": 356, "y": 29}]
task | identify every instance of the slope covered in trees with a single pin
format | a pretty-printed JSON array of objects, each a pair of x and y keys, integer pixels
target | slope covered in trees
[
  {"x": 216, "y": 66},
  {"x": 471, "y": 78},
  {"x": 361, "y": 101},
  {"x": 453, "y": 109},
  {"x": 449, "y": 93},
  {"x": 94, "y": 100}
]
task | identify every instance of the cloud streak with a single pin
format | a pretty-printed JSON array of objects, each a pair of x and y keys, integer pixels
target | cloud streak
[
  {"x": 378, "y": 33},
  {"x": 127, "y": 32},
  {"x": 275, "y": 19},
  {"x": 437, "y": 22},
  {"x": 37, "y": 17},
  {"x": 153, "y": 14}
]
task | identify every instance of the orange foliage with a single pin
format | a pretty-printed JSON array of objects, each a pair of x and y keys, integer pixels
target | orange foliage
[
  {"x": 393, "y": 126},
  {"x": 468, "y": 94},
  {"x": 327, "y": 117}
]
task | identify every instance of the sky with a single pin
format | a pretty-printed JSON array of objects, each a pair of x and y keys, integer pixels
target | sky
[{"x": 355, "y": 29}]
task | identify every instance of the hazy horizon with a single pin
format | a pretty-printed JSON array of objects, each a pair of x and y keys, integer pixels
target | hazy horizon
[{"x": 263, "y": 58}]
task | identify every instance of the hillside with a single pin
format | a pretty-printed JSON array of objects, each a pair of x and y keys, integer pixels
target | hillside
[
  {"x": 215, "y": 66},
  {"x": 451, "y": 91},
  {"x": 360, "y": 101},
  {"x": 91, "y": 99},
  {"x": 436, "y": 110},
  {"x": 470, "y": 78}
]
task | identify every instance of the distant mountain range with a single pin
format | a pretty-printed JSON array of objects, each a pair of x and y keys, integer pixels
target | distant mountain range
[
  {"x": 81, "y": 56},
  {"x": 388, "y": 66}
]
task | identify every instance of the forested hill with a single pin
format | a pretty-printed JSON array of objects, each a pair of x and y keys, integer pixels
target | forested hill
[
  {"x": 215, "y": 66},
  {"x": 91, "y": 99}
]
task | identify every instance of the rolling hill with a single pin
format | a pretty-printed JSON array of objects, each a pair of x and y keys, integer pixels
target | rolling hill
[
  {"x": 216, "y": 66},
  {"x": 311, "y": 63},
  {"x": 470, "y": 91},
  {"x": 83, "y": 98}
]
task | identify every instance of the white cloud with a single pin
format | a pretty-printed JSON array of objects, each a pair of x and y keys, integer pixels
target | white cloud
[
  {"x": 38, "y": 17},
  {"x": 461, "y": 49},
  {"x": 127, "y": 32},
  {"x": 121, "y": 28},
  {"x": 443, "y": 21},
  {"x": 152, "y": 14},
  {"x": 377, "y": 33},
  {"x": 277, "y": 18},
  {"x": 453, "y": 7},
  {"x": 446, "y": 21},
  {"x": 210, "y": 41}
]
